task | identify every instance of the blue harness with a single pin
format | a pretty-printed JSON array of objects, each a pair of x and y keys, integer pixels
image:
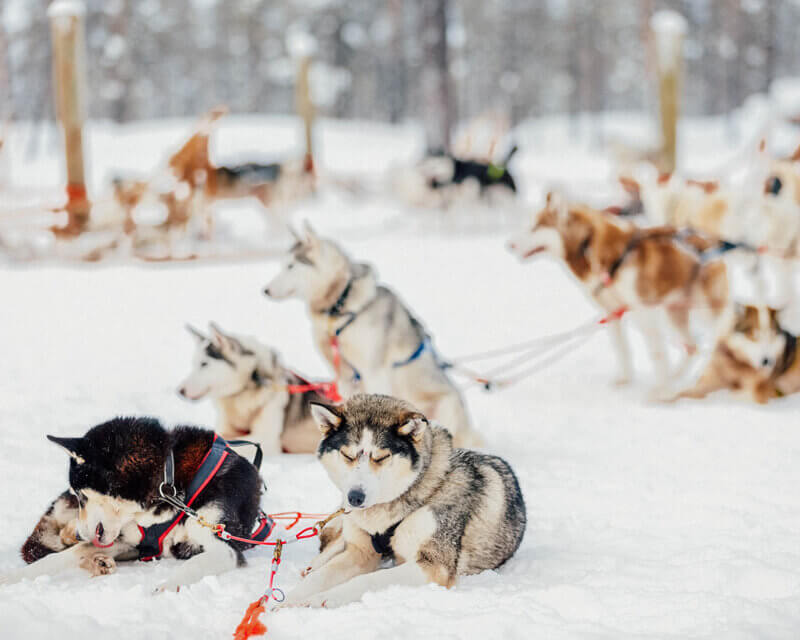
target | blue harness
[
  {"x": 424, "y": 346},
  {"x": 151, "y": 546}
]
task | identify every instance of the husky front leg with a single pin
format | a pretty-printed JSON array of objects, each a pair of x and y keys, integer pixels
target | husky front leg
[
  {"x": 267, "y": 427},
  {"x": 623, "y": 351},
  {"x": 699, "y": 363},
  {"x": 217, "y": 557},
  {"x": 354, "y": 560},
  {"x": 409, "y": 574},
  {"x": 82, "y": 556}
]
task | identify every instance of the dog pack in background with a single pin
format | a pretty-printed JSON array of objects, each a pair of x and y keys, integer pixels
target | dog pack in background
[
  {"x": 114, "y": 509},
  {"x": 372, "y": 341},
  {"x": 432, "y": 511}
]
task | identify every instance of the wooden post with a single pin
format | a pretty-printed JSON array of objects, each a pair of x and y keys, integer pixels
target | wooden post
[
  {"x": 669, "y": 30},
  {"x": 305, "y": 108},
  {"x": 69, "y": 81}
]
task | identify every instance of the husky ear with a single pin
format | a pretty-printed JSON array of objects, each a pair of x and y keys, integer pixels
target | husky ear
[
  {"x": 326, "y": 417},
  {"x": 196, "y": 333},
  {"x": 311, "y": 238},
  {"x": 294, "y": 233},
  {"x": 71, "y": 445},
  {"x": 224, "y": 341},
  {"x": 414, "y": 426}
]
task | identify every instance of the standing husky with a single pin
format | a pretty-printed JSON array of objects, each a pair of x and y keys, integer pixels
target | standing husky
[
  {"x": 370, "y": 338},
  {"x": 624, "y": 266},
  {"x": 435, "y": 511},
  {"x": 113, "y": 506},
  {"x": 250, "y": 387}
]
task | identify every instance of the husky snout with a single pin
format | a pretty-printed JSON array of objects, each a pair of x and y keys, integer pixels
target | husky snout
[
  {"x": 356, "y": 497},
  {"x": 97, "y": 540}
]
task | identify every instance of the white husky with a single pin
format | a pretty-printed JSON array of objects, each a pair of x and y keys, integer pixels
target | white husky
[
  {"x": 250, "y": 387},
  {"x": 367, "y": 334}
]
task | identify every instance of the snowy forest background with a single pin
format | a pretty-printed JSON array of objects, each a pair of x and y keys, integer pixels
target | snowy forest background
[{"x": 162, "y": 58}]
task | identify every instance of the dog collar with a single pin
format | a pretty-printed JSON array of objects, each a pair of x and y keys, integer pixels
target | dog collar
[{"x": 336, "y": 309}]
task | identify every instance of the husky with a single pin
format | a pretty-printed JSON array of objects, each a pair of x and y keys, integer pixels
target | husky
[
  {"x": 623, "y": 266},
  {"x": 370, "y": 338},
  {"x": 746, "y": 357},
  {"x": 443, "y": 179},
  {"x": 431, "y": 511},
  {"x": 251, "y": 388},
  {"x": 273, "y": 184},
  {"x": 113, "y": 509}
]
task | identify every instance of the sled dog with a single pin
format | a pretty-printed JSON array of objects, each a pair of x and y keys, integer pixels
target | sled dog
[
  {"x": 250, "y": 387},
  {"x": 370, "y": 338},
  {"x": 623, "y": 266},
  {"x": 432, "y": 511},
  {"x": 756, "y": 356},
  {"x": 113, "y": 509}
]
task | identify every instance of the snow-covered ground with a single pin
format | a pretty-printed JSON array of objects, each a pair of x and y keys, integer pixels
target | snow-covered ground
[{"x": 645, "y": 521}]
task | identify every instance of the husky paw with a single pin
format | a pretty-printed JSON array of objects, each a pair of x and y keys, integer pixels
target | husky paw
[
  {"x": 168, "y": 586},
  {"x": 621, "y": 379},
  {"x": 664, "y": 394},
  {"x": 69, "y": 534},
  {"x": 99, "y": 564}
]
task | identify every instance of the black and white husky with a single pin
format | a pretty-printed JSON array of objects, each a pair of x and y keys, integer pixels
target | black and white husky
[
  {"x": 364, "y": 330},
  {"x": 432, "y": 511},
  {"x": 113, "y": 509},
  {"x": 250, "y": 387}
]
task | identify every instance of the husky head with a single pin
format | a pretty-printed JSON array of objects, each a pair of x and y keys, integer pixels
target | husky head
[
  {"x": 114, "y": 470},
  {"x": 549, "y": 232},
  {"x": 316, "y": 267},
  {"x": 225, "y": 365},
  {"x": 757, "y": 338},
  {"x": 373, "y": 447},
  {"x": 437, "y": 168}
]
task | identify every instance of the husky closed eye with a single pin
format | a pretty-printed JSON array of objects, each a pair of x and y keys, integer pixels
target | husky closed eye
[
  {"x": 347, "y": 457},
  {"x": 382, "y": 458}
]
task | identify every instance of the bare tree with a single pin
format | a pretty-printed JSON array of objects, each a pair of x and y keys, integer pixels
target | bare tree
[{"x": 438, "y": 105}]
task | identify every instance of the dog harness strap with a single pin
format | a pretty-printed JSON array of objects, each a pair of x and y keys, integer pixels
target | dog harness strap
[
  {"x": 424, "y": 346},
  {"x": 152, "y": 543},
  {"x": 382, "y": 542},
  {"x": 264, "y": 527},
  {"x": 337, "y": 307},
  {"x": 244, "y": 443}
]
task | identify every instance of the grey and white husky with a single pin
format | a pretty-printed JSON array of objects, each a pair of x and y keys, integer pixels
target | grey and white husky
[
  {"x": 432, "y": 511},
  {"x": 364, "y": 330},
  {"x": 249, "y": 385}
]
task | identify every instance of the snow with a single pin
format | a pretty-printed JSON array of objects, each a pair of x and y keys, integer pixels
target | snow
[
  {"x": 66, "y": 8},
  {"x": 645, "y": 521}
]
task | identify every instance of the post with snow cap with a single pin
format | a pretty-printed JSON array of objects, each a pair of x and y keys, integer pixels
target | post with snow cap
[
  {"x": 305, "y": 108},
  {"x": 69, "y": 80},
  {"x": 669, "y": 31}
]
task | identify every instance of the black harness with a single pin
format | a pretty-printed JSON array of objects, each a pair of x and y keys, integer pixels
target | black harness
[
  {"x": 151, "y": 546},
  {"x": 382, "y": 542}
]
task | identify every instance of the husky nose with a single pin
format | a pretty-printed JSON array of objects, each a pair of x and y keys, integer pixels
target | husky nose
[
  {"x": 99, "y": 531},
  {"x": 266, "y": 292},
  {"x": 766, "y": 362},
  {"x": 182, "y": 391},
  {"x": 356, "y": 497}
]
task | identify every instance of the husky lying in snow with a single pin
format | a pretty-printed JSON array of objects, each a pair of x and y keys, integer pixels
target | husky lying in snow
[
  {"x": 442, "y": 179},
  {"x": 621, "y": 265},
  {"x": 435, "y": 511},
  {"x": 112, "y": 510},
  {"x": 248, "y": 383},
  {"x": 363, "y": 329},
  {"x": 756, "y": 356}
]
